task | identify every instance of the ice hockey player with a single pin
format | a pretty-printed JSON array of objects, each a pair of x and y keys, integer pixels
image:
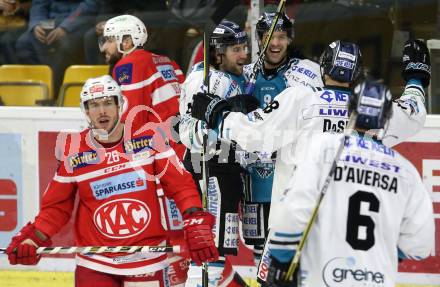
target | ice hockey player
[
  {"x": 149, "y": 82},
  {"x": 298, "y": 111},
  {"x": 151, "y": 88},
  {"x": 374, "y": 211},
  {"x": 228, "y": 54},
  {"x": 114, "y": 174},
  {"x": 282, "y": 68}
]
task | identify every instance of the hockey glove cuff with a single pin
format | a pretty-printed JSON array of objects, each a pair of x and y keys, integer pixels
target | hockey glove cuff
[
  {"x": 243, "y": 103},
  {"x": 416, "y": 62},
  {"x": 23, "y": 247},
  {"x": 209, "y": 108},
  {"x": 277, "y": 272},
  {"x": 197, "y": 227}
]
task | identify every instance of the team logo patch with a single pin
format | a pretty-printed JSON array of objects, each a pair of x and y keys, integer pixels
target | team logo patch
[
  {"x": 124, "y": 73},
  {"x": 83, "y": 159},
  {"x": 264, "y": 170},
  {"x": 118, "y": 184},
  {"x": 122, "y": 218}
]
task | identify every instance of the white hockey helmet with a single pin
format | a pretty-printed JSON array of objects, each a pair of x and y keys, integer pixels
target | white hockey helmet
[
  {"x": 124, "y": 25},
  {"x": 101, "y": 87}
]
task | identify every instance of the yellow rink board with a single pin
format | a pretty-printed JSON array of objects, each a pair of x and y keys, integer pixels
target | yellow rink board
[{"x": 65, "y": 279}]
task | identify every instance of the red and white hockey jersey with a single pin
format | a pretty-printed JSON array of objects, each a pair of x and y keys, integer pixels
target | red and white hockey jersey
[
  {"x": 151, "y": 80},
  {"x": 150, "y": 84},
  {"x": 118, "y": 202}
]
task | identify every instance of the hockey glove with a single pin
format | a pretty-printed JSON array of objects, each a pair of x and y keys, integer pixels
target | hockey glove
[
  {"x": 277, "y": 272},
  {"x": 209, "y": 108},
  {"x": 416, "y": 62},
  {"x": 197, "y": 227},
  {"x": 243, "y": 103},
  {"x": 23, "y": 247}
]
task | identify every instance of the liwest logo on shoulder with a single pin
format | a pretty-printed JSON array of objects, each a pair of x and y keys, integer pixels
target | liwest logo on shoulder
[
  {"x": 138, "y": 144},
  {"x": 118, "y": 184},
  {"x": 83, "y": 159},
  {"x": 124, "y": 73}
]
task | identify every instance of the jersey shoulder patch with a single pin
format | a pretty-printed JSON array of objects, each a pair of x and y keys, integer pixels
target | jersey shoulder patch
[{"x": 124, "y": 73}]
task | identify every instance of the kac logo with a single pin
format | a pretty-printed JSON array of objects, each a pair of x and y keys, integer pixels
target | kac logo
[
  {"x": 343, "y": 271},
  {"x": 122, "y": 218}
]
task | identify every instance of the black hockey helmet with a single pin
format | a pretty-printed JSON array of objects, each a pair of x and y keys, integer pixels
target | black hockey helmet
[
  {"x": 265, "y": 22},
  {"x": 227, "y": 33},
  {"x": 372, "y": 102},
  {"x": 342, "y": 61}
]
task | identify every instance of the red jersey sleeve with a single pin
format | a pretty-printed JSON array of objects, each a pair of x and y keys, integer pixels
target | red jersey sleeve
[
  {"x": 58, "y": 200},
  {"x": 151, "y": 86},
  {"x": 176, "y": 181},
  {"x": 165, "y": 90}
]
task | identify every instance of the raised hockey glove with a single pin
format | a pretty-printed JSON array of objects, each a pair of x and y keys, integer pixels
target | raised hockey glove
[
  {"x": 277, "y": 272},
  {"x": 243, "y": 103},
  {"x": 416, "y": 62},
  {"x": 197, "y": 227},
  {"x": 209, "y": 108},
  {"x": 23, "y": 247}
]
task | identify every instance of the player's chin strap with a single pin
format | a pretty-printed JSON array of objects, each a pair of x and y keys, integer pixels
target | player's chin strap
[{"x": 125, "y": 53}]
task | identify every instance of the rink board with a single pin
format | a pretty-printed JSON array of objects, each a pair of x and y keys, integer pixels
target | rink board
[{"x": 27, "y": 163}]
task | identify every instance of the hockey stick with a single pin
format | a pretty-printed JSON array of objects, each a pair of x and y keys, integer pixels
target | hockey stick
[
  {"x": 220, "y": 13},
  {"x": 104, "y": 249},
  {"x": 294, "y": 264},
  {"x": 262, "y": 54}
]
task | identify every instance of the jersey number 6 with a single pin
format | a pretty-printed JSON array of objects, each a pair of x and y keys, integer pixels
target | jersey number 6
[{"x": 360, "y": 228}]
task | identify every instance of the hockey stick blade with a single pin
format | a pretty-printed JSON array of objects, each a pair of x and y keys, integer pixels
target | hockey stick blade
[{"x": 104, "y": 249}]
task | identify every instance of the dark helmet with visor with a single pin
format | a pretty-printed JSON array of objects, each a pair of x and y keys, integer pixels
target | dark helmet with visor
[
  {"x": 265, "y": 22},
  {"x": 227, "y": 33}
]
